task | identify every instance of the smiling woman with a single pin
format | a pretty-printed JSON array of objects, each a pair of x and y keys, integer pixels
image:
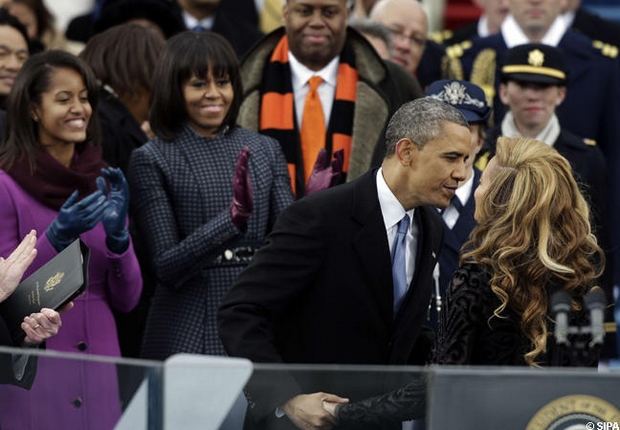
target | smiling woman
[
  {"x": 51, "y": 182},
  {"x": 208, "y": 101},
  {"x": 206, "y": 192},
  {"x": 63, "y": 113}
]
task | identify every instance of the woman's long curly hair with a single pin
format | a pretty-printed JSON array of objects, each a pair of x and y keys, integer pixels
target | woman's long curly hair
[{"x": 533, "y": 234}]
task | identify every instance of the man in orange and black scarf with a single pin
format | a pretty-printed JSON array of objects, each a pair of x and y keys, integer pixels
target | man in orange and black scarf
[{"x": 358, "y": 91}]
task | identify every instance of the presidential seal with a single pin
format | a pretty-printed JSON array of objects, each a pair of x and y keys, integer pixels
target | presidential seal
[
  {"x": 575, "y": 412},
  {"x": 53, "y": 281}
]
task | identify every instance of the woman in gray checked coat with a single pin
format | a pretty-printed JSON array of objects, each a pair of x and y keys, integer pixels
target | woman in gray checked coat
[{"x": 200, "y": 230}]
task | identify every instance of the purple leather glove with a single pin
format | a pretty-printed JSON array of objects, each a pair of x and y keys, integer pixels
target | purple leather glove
[
  {"x": 242, "y": 203},
  {"x": 325, "y": 177}
]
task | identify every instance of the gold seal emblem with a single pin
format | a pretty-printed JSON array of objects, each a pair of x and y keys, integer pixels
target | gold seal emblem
[
  {"x": 573, "y": 412},
  {"x": 53, "y": 281},
  {"x": 536, "y": 58}
]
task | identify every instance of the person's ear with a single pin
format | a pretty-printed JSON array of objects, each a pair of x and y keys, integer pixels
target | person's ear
[
  {"x": 405, "y": 151},
  {"x": 284, "y": 14},
  {"x": 34, "y": 114},
  {"x": 561, "y": 96},
  {"x": 503, "y": 93}
]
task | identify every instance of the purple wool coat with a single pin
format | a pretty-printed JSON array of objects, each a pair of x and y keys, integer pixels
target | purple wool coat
[{"x": 69, "y": 394}]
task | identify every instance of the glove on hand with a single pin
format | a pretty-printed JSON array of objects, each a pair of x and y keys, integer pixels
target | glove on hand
[
  {"x": 75, "y": 218},
  {"x": 115, "y": 216},
  {"x": 242, "y": 203},
  {"x": 325, "y": 177}
]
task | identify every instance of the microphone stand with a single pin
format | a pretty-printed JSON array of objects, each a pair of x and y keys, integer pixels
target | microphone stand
[{"x": 577, "y": 343}]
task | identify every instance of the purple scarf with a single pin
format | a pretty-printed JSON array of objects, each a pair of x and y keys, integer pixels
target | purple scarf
[{"x": 51, "y": 184}]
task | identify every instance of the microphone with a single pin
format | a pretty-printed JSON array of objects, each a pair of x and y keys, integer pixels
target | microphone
[
  {"x": 595, "y": 303},
  {"x": 438, "y": 302},
  {"x": 560, "y": 306}
]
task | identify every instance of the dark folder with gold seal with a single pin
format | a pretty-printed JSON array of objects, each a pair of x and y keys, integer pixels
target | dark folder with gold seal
[{"x": 52, "y": 286}]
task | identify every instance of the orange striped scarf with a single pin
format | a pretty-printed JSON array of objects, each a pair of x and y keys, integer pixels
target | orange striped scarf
[{"x": 277, "y": 111}]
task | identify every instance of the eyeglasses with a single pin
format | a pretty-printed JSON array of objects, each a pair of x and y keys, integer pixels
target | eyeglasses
[{"x": 400, "y": 35}]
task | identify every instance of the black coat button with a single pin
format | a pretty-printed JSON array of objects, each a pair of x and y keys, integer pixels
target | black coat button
[
  {"x": 77, "y": 402},
  {"x": 82, "y": 346}
]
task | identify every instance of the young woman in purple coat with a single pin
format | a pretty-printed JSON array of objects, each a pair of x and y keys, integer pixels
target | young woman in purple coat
[{"x": 51, "y": 182}]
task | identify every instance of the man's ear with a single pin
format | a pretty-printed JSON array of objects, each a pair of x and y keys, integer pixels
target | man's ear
[
  {"x": 285, "y": 12},
  {"x": 405, "y": 151}
]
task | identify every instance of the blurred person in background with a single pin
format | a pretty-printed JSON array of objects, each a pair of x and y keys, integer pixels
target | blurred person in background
[
  {"x": 123, "y": 59},
  {"x": 377, "y": 35},
  {"x": 161, "y": 16},
  {"x": 40, "y": 24},
  {"x": 408, "y": 24},
  {"x": 490, "y": 21},
  {"x": 15, "y": 48}
]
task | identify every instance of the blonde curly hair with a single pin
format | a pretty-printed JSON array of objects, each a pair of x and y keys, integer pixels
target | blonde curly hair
[{"x": 534, "y": 232}]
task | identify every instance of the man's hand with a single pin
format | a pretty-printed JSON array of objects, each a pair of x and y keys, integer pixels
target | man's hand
[
  {"x": 40, "y": 326},
  {"x": 306, "y": 410},
  {"x": 331, "y": 408},
  {"x": 13, "y": 267}
]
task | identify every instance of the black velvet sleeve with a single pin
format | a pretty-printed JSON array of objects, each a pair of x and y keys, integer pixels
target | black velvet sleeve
[
  {"x": 404, "y": 404},
  {"x": 466, "y": 307}
]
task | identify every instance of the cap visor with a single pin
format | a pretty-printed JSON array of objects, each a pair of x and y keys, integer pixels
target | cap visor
[{"x": 535, "y": 78}]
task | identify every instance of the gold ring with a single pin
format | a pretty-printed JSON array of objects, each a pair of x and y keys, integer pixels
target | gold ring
[{"x": 36, "y": 326}]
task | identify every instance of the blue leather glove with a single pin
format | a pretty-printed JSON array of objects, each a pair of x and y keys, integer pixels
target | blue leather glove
[
  {"x": 76, "y": 218},
  {"x": 115, "y": 216}
]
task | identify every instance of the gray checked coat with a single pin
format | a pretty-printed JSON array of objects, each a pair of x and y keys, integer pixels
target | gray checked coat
[{"x": 181, "y": 194}]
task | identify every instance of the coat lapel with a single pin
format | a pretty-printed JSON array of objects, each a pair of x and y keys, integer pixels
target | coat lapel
[{"x": 371, "y": 245}]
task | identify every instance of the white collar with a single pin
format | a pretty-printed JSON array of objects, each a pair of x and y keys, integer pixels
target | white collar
[
  {"x": 391, "y": 209},
  {"x": 464, "y": 191},
  {"x": 483, "y": 26},
  {"x": 191, "y": 21},
  {"x": 569, "y": 18},
  {"x": 300, "y": 73},
  {"x": 549, "y": 134},
  {"x": 514, "y": 36}
]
